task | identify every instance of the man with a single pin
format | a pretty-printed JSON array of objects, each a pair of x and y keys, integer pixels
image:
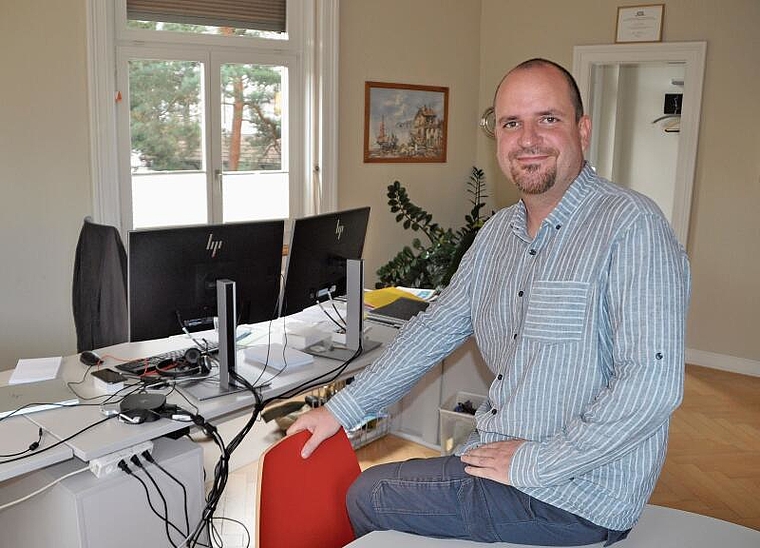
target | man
[{"x": 577, "y": 297}]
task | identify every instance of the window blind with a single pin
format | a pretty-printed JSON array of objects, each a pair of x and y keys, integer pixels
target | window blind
[{"x": 267, "y": 15}]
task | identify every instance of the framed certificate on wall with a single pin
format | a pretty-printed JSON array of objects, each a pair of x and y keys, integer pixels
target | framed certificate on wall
[{"x": 639, "y": 23}]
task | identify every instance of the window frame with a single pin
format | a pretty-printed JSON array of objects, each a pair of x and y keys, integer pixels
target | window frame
[{"x": 313, "y": 187}]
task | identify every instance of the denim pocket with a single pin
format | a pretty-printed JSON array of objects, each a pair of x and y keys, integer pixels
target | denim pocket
[{"x": 556, "y": 311}]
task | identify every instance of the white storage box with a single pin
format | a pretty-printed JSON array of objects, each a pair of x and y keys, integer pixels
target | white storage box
[{"x": 455, "y": 427}]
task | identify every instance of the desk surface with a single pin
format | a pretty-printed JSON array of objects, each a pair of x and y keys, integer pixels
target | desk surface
[
  {"x": 658, "y": 527},
  {"x": 111, "y": 435},
  {"x": 17, "y": 434}
]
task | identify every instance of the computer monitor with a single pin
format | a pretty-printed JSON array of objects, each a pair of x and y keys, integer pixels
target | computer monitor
[
  {"x": 319, "y": 248},
  {"x": 173, "y": 274}
]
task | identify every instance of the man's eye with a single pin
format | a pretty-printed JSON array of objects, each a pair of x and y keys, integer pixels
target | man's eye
[
  {"x": 510, "y": 124},
  {"x": 550, "y": 119}
]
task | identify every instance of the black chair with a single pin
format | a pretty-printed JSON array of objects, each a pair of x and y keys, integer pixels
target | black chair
[{"x": 99, "y": 289}]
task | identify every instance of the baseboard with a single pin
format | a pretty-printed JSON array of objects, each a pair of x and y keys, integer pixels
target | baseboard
[
  {"x": 415, "y": 439},
  {"x": 723, "y": 362}
]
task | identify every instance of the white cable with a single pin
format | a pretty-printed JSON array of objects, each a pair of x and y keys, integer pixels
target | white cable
[{"x": 41, "y": 489}]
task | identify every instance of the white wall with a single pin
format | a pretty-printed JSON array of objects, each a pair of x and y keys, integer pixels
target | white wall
[
  {"x": 648, "y": 164},
  {"x": 428, "y": 42},
  {"x": 44, "y": 173},
  {"x": 631, "y": 150}
]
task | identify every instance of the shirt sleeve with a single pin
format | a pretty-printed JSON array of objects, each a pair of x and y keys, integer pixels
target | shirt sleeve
[
  {"x": 423, "y": 342},
  {"x": 645, "y": 300}
]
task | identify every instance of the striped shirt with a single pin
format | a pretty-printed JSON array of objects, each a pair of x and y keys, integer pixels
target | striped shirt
[{"x": 583, "y": 327}]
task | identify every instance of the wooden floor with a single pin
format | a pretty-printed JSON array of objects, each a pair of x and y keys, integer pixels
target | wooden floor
[
  {"x": 713, "y": 461},
  {"x": 712, "y": 466}
]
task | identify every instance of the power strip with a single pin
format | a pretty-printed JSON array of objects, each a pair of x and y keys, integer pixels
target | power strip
[{"x": 107, "y": 464}]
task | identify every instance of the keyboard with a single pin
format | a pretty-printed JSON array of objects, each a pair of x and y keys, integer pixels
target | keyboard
[{"x": 142, "y": 366}]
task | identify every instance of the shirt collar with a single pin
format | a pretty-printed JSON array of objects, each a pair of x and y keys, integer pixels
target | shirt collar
[
  {"x": 566, "y": 207},
  {"x": 573, "y": 197}
]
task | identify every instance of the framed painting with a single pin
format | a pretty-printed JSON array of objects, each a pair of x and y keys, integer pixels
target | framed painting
[{"x": 405, "y": 123}]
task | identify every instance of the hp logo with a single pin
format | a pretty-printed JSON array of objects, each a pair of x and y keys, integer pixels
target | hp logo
[{"x": 213, "y": 245}]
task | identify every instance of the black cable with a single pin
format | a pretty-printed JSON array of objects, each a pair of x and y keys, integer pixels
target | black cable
[
  {"x": 148, "y": 457},
  {"x": 32, "y": 446},
  {"x": 59, "y": 442},
  {"x": 221, "y": 472},
  {"x": 125, "y": 468},
  {"x": 247, "y": 532},
  {"x": 136, "y": 461}
]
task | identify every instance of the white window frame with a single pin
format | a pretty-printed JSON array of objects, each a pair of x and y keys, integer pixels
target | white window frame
[{"x": 313, "y": 186}]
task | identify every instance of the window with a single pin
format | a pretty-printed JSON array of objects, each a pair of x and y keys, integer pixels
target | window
[{"x": 213, "y": 123}]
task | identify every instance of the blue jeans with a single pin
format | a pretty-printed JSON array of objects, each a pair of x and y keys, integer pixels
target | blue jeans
[{"x": 436, "y": 498}]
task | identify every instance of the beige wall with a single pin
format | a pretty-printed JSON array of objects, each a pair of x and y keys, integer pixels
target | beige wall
[
  {"x": 44, "y": 173},
  {"x": 463, "y": 44},
  {"x": 724, "y": 232},
  {"x": 428, "y": 42}
]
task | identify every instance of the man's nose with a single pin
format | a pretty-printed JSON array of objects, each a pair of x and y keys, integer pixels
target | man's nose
[{"x": 528, "y": 136}]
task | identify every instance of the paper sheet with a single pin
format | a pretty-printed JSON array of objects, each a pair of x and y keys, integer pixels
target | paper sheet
[{"x": 35, "y": 370}]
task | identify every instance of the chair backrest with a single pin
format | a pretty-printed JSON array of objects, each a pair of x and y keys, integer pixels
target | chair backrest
[
  {"x": 99, "y": 288},
  {"x": 302, "y": 502}
]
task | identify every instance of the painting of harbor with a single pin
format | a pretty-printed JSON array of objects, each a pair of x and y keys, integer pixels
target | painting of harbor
[{"x": 405, "y": 123}]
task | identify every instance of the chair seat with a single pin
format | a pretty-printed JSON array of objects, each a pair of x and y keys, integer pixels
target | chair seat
[{"x": 659, "y": 527}]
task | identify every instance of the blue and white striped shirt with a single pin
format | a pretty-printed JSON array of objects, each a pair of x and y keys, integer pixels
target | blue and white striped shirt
[{"x": 583, "y": 327}]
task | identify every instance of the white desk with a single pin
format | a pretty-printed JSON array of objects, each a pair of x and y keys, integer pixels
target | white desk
[
  {"x": 658, "y": 527},
  {"x": 94, "y": 498},
  {"x": 17, "y": 434},
  {"x": 113, "y": 435}
]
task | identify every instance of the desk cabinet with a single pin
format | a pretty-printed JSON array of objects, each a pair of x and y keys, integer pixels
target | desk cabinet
[{"x": 86, "y": 512}]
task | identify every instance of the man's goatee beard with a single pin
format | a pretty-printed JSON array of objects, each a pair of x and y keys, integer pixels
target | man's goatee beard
[{"x": 531, "y": 181}]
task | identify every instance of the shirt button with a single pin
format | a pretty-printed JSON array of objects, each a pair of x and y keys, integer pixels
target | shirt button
[
  {"x": 520, "y": 293},
  {"x": 514, "y": 336},
  {"x": 558, "y": 227},
  {"x": 658, "y": 356},
  {"x": 493, "y": 411},
  {"x": 532, "y": 251},
  {"x": 499, "y": 376}
]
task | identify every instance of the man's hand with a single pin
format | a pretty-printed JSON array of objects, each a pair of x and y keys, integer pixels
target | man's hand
[
  {"x": 322, "y": 425},
  {"x": 491, "y": 460}
]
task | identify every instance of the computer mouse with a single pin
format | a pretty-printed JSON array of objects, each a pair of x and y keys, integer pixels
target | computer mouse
[{"x": 90, "y": 358}]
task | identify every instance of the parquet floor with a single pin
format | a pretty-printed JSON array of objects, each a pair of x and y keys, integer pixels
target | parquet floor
[
  {"x": 713, "y": 461},
  {"x": 712, "y": 467}
]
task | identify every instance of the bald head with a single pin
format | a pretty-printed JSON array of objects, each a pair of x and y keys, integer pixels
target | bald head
[{"x": 572, "y": 87}]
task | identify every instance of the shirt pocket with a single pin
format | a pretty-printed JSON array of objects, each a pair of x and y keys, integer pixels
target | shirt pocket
[{"x": 556, "y": 311}]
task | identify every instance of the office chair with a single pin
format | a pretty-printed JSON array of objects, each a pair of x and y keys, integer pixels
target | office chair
[
  {"x": 302, "y": 502},
  {"x": 99, "y": 288}
]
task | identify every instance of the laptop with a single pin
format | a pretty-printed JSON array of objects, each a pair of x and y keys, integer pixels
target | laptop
[
  {"x": 35, "y": 396},
  {"x": 398, "y": 312}
]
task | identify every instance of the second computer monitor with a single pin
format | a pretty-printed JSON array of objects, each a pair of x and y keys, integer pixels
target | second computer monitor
[{"x": 319, "y": 248}]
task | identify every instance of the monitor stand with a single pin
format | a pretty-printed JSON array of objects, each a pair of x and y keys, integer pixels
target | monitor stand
[
  {"x": 354, "y": 319},
  {"x": 211, "y": 388}
]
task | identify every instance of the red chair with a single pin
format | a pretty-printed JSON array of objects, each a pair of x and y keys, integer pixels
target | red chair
[{"x": 301, "y": 502}]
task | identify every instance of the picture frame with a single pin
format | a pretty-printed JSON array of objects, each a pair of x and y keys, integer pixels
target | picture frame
[
  {"x": 641, "y": 23},
  {"x": 405, "y": 123}
]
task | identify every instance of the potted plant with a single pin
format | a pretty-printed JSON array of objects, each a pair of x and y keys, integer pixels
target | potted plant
[{"x": 431, "y": 264}]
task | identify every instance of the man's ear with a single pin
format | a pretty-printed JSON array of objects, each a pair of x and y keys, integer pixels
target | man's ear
[{"x": 584, "y": 130}]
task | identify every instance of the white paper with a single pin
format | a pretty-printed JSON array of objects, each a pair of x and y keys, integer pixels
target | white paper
[{"x": 35, "y": 370}]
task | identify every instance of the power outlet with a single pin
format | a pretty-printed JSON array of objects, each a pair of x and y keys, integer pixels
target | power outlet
[{"x": 108, "y": 464}]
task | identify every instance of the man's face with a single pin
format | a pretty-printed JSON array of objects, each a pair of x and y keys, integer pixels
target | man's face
[{"x": 539, "y": 144}]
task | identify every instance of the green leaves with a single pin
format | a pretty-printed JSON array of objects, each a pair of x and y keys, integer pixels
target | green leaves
[{"x": 434, "y": 264}]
